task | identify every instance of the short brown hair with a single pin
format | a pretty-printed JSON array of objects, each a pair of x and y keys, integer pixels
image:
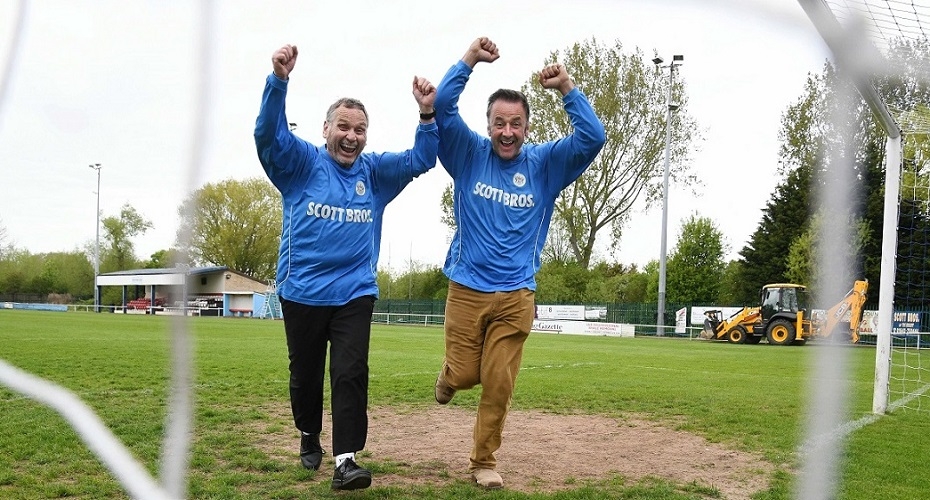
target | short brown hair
[{"x": 508, "y": 95}]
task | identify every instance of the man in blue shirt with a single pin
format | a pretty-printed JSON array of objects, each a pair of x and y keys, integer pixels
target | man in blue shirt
[
  {"x": 503, "y": 198},
  {"x": 333, "y": 198}
]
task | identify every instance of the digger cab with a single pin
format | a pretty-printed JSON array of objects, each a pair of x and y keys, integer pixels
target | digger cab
[
  {"x": 783, "y": 313},
  {"x": 782, "y": 299}
]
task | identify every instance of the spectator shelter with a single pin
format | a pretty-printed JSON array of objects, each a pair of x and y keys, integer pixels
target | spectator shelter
[{"x": 210, "y": 291}]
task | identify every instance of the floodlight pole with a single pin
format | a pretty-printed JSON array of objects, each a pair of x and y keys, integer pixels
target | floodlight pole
[
  {"x": 670, "y": 106},
  {"x": 96, "y": 166}
]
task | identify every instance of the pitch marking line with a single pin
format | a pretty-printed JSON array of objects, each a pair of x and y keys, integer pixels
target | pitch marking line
[{"x": 840, "y": 432}]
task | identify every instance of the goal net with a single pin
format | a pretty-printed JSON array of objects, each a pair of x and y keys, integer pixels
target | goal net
[
  {"x": 909, "y": 375},
  {"x": 895, "y": 87}
]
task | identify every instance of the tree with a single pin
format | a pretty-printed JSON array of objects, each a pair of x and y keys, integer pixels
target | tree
[
  {"x": 907, "y": 93},
  {"x": 385, "y": 284},
  {"x": 448, "y": 212},
  {"x": 813, "y": 136},
  {"x": 613, "y": 283},
  {"x": 729, "y": 285},
  {"x": 558, "y": 245},
  {"x": 630, "y": 99},
  {"x": 119, "y": 252},
  {"x": 165, "y": 258},
  {"x": 561, "y": 282},
  {"x": 807, "y": 135},
  {"x": 872, "y": 215},
  {"x": 765, "y": 256},
  {"x": 631, "y": 286},
  {"x": 67, "y": 273},
  {"x": 419, "y": 282},
  {"x": 696, "y": 265},
  {"x": 651, "y": 277},
  {"x": 12, "y": 273},
  {"x": 803, "y": 254},
  {"x": 912, "y": 280},
  {"x": 4, "y": 246},
  {"x": 235, "y": 224}
]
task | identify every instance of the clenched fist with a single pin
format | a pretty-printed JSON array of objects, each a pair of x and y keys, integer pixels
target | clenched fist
[
  {"x": 283, "y": 61},
  {"x": 555, "y": 76},
  {"x": 481, "y": 50},
  {"x": 425, "y": 94}
]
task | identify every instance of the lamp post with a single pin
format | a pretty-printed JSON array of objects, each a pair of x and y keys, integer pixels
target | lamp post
[
  {"x": 96, "y": 166},
  {"x": 670, "y": 106}
]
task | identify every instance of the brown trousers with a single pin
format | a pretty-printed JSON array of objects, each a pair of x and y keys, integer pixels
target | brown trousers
[{"x": 484, "y": 335}]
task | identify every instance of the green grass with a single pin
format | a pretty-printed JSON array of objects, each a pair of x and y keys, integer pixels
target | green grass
[{"x": 745, "y": 397}]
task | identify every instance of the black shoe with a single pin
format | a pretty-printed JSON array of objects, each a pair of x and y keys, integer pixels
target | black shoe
[
  {"x": 349, "y": 476},
  {"x": 311, "y": 453}
]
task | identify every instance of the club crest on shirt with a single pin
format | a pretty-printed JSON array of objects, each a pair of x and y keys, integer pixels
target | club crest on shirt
[
  {"x": 360, "y": 188},
  {"x": 519, "y": 179}
]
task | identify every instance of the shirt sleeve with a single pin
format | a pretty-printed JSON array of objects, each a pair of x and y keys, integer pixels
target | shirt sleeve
[
  {"x": 396, "y": 170},
  {"x": 572, "y": 154},
  {"x": 283, "y": 156},
  {"x": 456, "y": 140}
]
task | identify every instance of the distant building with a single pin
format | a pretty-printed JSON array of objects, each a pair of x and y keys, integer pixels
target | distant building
[{"x": 211, "y": 291}]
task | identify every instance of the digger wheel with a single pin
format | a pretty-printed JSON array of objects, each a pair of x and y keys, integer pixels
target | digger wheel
[
  {"x": 781, "y": 332},
  {"x": 841, "y": 333},
  {"x": 737, "y": 335}
]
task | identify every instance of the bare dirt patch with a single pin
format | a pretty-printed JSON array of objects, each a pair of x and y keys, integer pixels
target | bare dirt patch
[{"x": 541, "y": 451}]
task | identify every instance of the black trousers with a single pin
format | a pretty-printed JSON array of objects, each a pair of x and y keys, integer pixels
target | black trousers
[{"x": 347, "y": 330}]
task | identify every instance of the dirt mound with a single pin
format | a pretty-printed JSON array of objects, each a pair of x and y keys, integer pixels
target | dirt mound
[{"x": 541, "y": 451}]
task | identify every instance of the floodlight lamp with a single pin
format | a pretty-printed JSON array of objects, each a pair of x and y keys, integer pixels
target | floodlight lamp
[
  {"x": 678, "y": 58},
  {"x": 657, "y": 61},
  {"x": 673, "y": 106}
]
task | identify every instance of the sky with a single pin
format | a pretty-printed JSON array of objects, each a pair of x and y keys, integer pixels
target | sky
[{"x": 118, "y": 83}]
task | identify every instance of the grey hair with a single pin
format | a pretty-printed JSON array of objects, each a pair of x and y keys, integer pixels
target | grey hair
[{"x": 345, "y": 102}]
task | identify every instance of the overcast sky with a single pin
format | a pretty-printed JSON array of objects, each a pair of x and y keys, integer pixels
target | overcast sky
[{"x": 115, "y": 83}]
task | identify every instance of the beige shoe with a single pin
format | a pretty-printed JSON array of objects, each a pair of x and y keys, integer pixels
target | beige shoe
[
  {"x": 487, "y": 478},
  {"x": 444, "y": 393}
]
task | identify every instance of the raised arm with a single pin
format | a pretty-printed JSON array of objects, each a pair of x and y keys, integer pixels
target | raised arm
[
  {"x": 396, "y": 170},
  {"x": 574, "y": 153},
  {"x": 426, "y": 142},
  {"x": 278, "y": 149},
  {"x": 457, "y": 140}
]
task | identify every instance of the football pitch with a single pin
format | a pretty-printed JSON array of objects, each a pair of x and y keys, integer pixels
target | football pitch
[{"x": 748, "y": 398}]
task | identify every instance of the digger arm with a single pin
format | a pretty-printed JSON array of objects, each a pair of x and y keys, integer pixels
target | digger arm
[
  {"x": 746, "y": 316},
  {"x": 853, "y": 303}
]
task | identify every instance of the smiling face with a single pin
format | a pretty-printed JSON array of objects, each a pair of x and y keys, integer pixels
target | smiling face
[
  {"x": 346, "y": 132},
  {"x": 508, "y": 124}
]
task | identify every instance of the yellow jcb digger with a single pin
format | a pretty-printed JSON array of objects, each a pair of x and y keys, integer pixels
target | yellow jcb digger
[{"x": 784, "y": 318}]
